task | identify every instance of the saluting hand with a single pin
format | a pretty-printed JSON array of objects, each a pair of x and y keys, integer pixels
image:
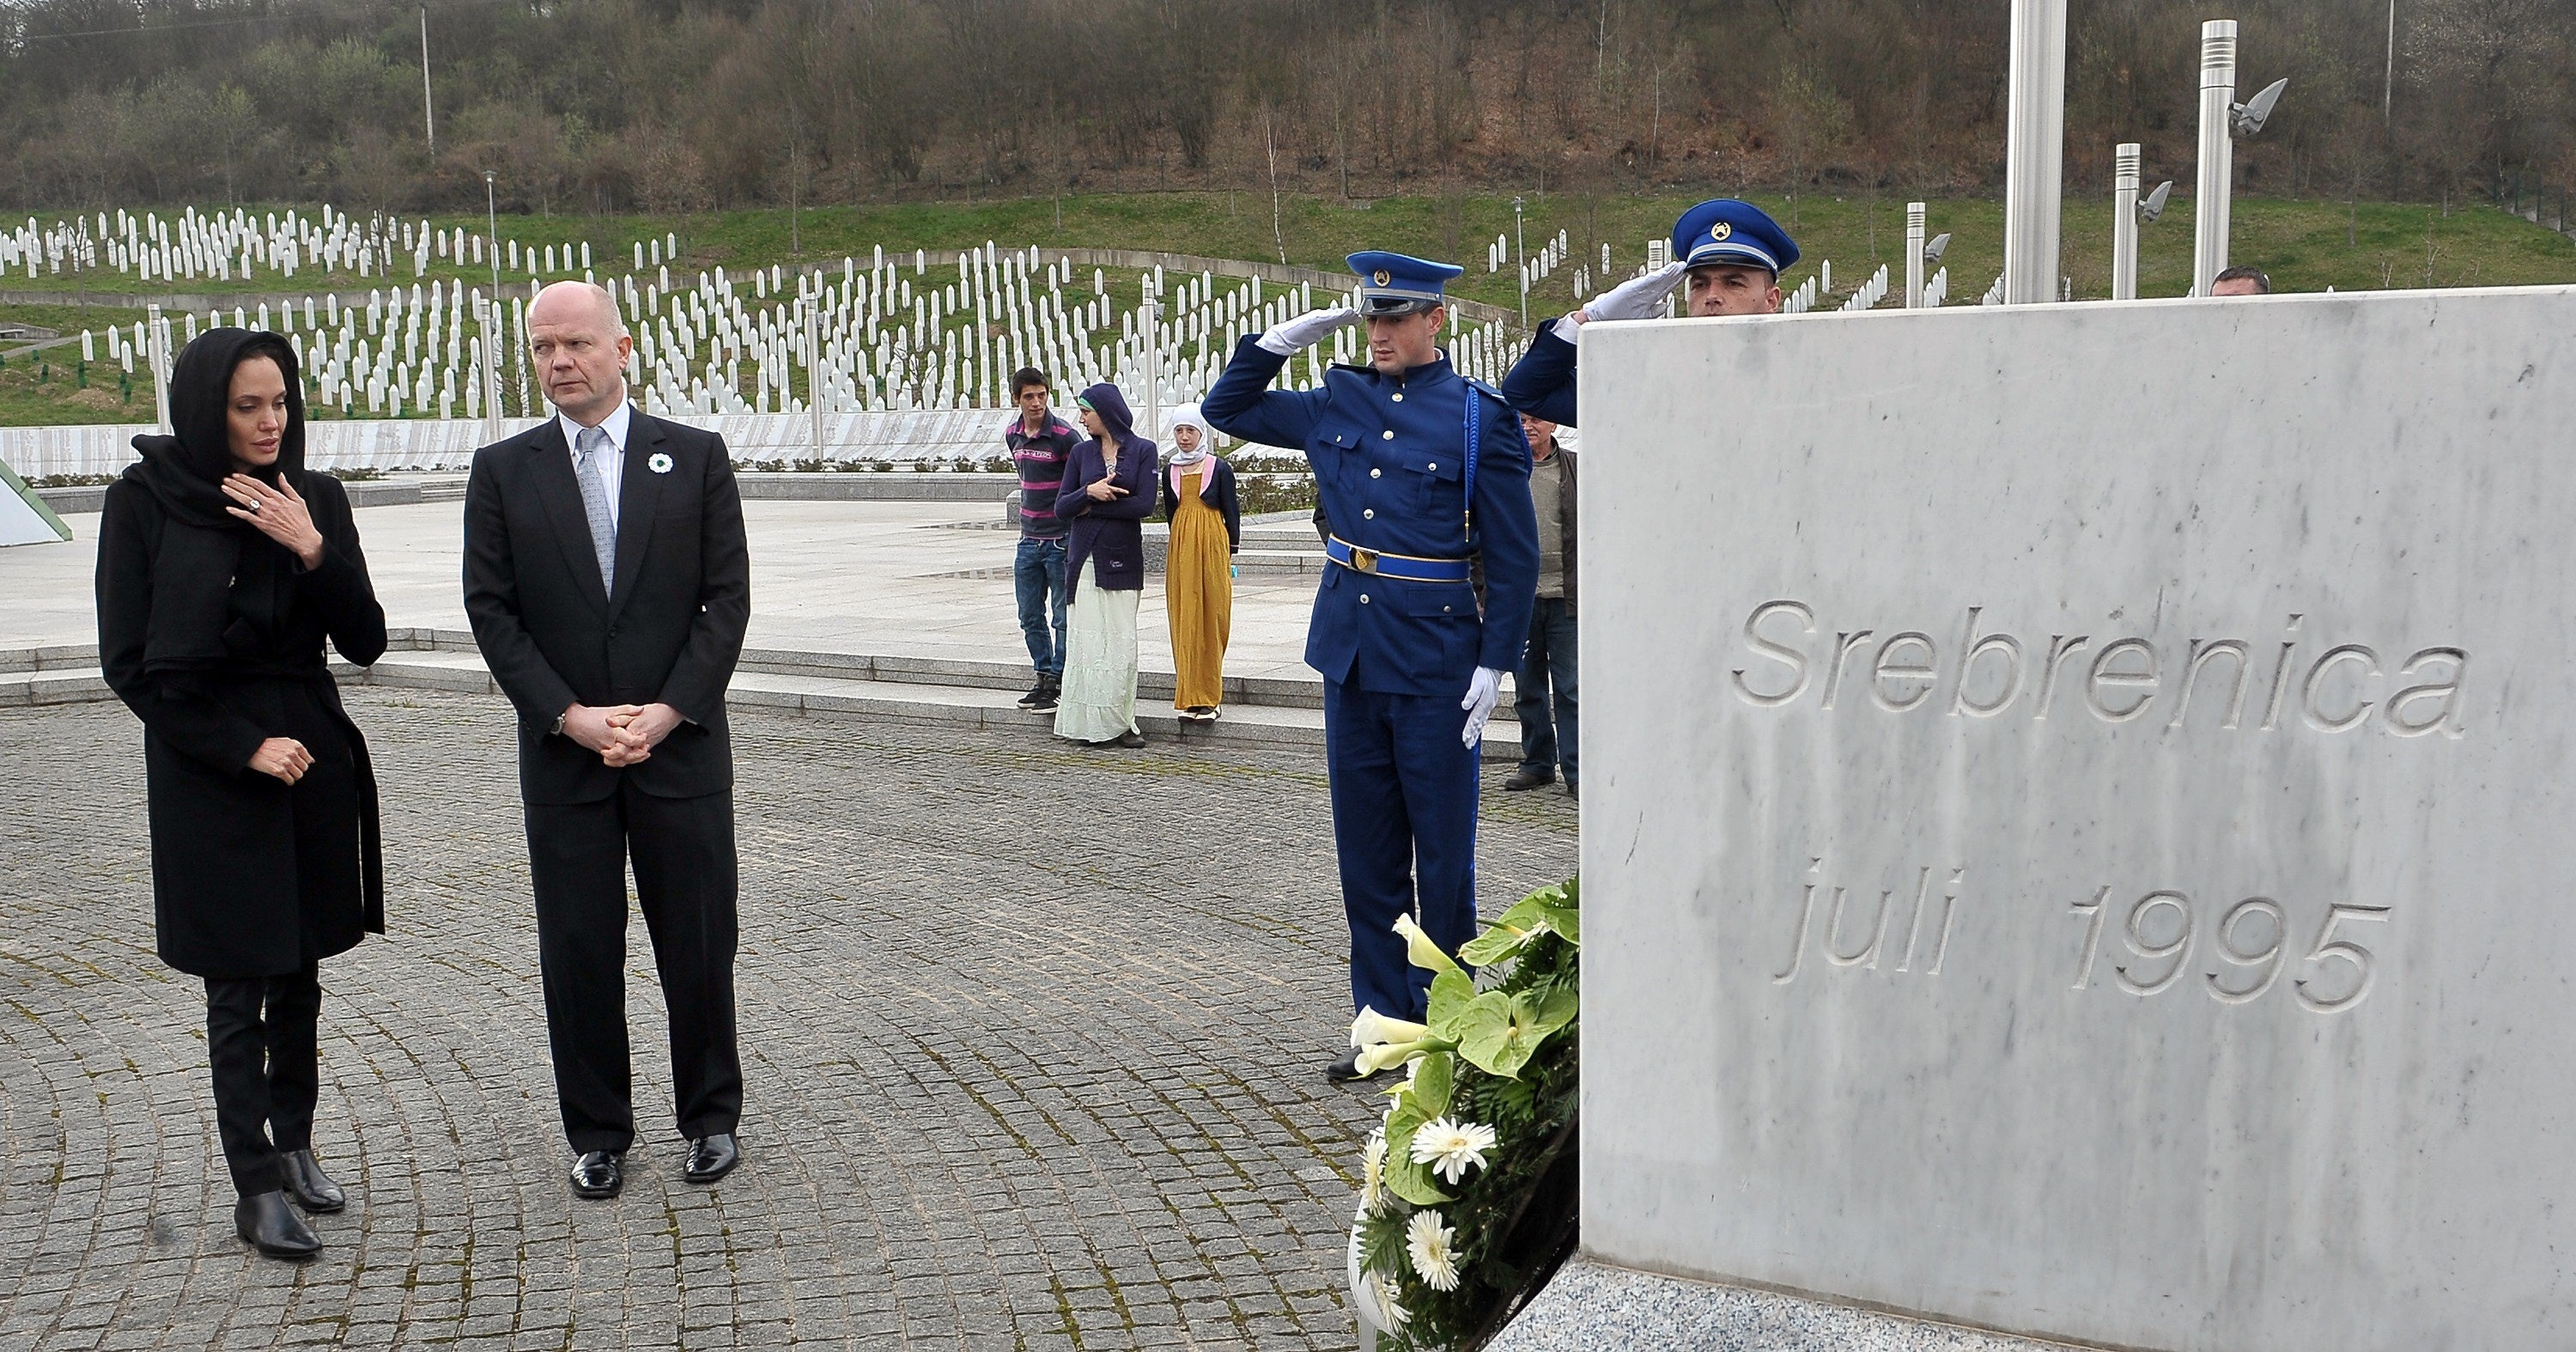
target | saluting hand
[
  {"x": 1305, "y": 330},
  {"x": 282, "y": 758},
  {"x": 1640, "y": 297},
  {"x": 278, "y": 512}
]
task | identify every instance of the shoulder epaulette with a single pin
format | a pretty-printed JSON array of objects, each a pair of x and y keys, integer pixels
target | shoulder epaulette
[{"x": 1487, "y": 390}]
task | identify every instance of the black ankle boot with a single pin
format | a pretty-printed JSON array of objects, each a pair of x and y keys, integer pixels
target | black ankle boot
[
  {"x": 268, "y": 1224},
  {"x": 311, "y": 1188}
]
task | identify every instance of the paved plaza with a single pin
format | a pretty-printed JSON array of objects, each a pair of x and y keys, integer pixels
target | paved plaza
[
  {"x": 924, "y": 579},
  {"x": 1033, "y": 1040}
]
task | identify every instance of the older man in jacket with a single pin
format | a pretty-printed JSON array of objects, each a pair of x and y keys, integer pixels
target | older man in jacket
[{"x": 609, "y": 584}]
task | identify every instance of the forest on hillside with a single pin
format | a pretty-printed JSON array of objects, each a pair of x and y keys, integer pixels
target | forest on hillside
[{"x": 676, "y": 105}]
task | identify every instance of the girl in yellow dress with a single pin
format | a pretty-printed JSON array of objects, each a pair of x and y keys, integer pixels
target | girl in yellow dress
[{"x": 1198, "y": 570}]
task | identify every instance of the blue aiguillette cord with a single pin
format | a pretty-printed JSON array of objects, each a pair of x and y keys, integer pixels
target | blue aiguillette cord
[{"x": 1472, "y": 439}]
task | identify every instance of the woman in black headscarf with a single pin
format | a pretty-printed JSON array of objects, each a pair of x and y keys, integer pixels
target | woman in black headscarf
[{"x": 223, "y": 565}]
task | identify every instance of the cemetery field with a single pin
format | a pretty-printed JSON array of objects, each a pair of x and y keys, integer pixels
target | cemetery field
[{"x": 2306, "y": 244}]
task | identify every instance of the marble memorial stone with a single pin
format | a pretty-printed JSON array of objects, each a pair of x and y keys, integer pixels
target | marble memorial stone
[{"x": 2078, "y": 822}]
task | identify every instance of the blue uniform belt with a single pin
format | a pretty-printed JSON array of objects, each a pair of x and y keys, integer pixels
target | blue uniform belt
[{"x": 1409, "y": 567}]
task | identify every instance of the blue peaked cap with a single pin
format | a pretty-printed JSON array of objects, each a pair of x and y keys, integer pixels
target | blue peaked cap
[
  {"x": 1396, "y": 284},
  {"x": 1730, "y": 230}
]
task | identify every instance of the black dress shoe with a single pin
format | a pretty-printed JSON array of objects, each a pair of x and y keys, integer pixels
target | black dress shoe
[
  {"x": 1525, "y": 778},
  {"x": 1130, "y": 739},
  {"x": 312, "y": 1189},
  {"x": 599, "y": 1173},
  {"x": 268, "y": 1224},
  {"x": 712, "y": 1157},
  {"x": 1347, "y": 1069}
]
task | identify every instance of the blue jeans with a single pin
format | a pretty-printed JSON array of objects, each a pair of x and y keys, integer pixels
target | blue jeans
[
  {"x": 1036, "y": 573},
  {"x": 1550, "y": 665}
]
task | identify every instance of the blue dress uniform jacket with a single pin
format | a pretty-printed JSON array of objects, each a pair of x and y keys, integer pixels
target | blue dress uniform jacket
[
  {"x": 1397, "y": 656},
  {"x": 1541, "y": 383},
  {"x": 1389, "y": 455}
]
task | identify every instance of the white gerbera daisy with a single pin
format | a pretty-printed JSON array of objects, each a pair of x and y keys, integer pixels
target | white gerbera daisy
[
  {"x": 1426, "y": 1242},
  {"x": 1452, "y": 1147},
  {"x": 1373, "y": 1175},
  {"x": 1396, "y": 1315}
]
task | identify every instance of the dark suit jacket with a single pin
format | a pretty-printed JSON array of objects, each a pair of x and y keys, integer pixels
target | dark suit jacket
[{"x": 553, "y": 638}]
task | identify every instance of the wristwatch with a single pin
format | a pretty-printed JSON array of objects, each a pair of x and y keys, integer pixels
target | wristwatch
[{"x": 557, "y": 729}]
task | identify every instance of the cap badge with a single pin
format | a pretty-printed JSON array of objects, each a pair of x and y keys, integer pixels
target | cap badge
[
  {"x": 1721, "y": 230},
  {"x": 1381, "y": 277}
]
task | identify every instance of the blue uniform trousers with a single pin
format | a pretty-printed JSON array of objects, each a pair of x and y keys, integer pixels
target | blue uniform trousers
[{"x": 1404, "y": 823}]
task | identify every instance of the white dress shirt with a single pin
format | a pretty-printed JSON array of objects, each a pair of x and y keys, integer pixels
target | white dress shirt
[{"x": 612, "y": 457}]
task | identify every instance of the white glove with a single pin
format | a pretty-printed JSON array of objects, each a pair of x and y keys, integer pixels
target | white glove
[
  {"x": 1305, "y": 330},
  {"x": 1637, "y": 297},
  {"x": 1479, "y": 704}
]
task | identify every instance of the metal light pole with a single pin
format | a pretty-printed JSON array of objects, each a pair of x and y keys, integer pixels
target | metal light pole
[
  {"x": 428, "y": 118},
  {"x": 2034, "y": 150},
  {"x": 2124, "y": 221},
  {"x": 492, "y": 218},
  {"x": 156, "y": 350},
  {"x": 1522, "y": 250},
  {"x": 808, "y": 291},
  {"x": 1914, "y": 255},
  {"x": 487, "y": 362},
  {"x": 2217, "y": 153},
  {"x": 2388, "y": 81}
]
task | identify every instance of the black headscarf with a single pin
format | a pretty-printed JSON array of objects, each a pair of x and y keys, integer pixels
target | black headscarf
[{"x": 217, "y": 582}]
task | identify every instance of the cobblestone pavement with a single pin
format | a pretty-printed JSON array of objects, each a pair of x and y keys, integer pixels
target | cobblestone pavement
[{"x": 1033, "y": 1039}]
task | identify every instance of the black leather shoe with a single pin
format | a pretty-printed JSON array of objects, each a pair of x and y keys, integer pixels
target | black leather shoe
[
  {"x": 1346, "y": 1070},
  {"x": 1130, "y": 739},
  {"x": 598, "y": 1174},
  {"x": 311, "y": 1188},
  {"x": 1525, "y": 778},
  {"x": 712, "y": 1157},
  {"x": 268, "y": 1224}
]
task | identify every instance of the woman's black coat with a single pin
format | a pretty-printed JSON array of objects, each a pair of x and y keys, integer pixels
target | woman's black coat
[{"x": 249, "y": 877}]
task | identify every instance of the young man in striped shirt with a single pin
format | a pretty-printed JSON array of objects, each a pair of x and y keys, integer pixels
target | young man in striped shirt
[{"x": 1040, "y": 443}]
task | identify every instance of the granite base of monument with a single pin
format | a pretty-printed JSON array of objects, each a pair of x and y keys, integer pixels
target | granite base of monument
[{"x": 1598, "y": 1308}]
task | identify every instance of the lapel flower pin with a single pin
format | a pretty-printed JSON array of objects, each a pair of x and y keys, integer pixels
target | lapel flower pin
[{"x": 660, "y": 463}]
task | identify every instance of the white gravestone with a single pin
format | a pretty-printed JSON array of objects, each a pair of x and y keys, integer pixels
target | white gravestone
[{"x": 2081, "y": 815}]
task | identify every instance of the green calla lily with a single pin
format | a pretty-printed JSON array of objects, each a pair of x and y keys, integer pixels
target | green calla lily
[{"x": 1422, "y": 952}]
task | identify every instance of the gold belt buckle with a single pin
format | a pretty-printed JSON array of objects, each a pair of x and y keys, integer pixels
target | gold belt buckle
[{"x": 1365, "y": 560}]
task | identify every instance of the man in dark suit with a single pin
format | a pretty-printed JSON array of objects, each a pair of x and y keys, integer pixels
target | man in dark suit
[{"x": 608, "y": 581}]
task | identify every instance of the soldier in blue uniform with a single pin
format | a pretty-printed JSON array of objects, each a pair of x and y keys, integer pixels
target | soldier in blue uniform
[
  {"x": 1731, "y": 253},
  {"x": 1424, "y": 476}
]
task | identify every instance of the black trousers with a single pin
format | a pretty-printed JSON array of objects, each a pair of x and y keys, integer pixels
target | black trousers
[
  {"x": 686, "y": 879},
  {"x": 262, "y": 1041}
]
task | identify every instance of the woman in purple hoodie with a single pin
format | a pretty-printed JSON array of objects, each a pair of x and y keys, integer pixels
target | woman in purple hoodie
[{"x": 1109, "y": 489}]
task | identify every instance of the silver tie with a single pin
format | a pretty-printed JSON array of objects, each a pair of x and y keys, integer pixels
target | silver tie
[{"x": 594, "y": 503}]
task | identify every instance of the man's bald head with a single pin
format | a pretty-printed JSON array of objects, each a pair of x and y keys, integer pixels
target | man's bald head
[
  {"x": 578, "y": 302},
  {"x": 577, "y": 339}
]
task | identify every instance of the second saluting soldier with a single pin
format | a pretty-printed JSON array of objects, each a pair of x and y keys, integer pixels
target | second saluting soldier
[{"x": 1424, "y": 476}]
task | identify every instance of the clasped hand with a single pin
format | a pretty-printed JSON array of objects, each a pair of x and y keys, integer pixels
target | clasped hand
[{"x": 622, "y": 734}]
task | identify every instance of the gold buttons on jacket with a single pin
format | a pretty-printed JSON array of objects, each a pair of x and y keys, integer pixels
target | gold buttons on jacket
[
  {"x": 1399, "y": 398},
  {"x": 1375, "y": 473},
  {"x": 1387, "y": 435}
]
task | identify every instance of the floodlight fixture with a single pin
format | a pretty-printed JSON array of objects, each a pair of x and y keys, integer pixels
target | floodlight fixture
[
  {"x": 1939, "y": 245},
  {"x": 2250, "y": 116},
  {"x": 2153, "y": 204}
]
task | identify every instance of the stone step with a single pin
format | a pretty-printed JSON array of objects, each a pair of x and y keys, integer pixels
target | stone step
[{"x": 943, "y": 691}]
